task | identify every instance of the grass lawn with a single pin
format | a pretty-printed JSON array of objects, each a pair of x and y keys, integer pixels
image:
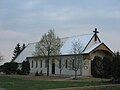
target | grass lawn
[{"x": 11, "y": 83}]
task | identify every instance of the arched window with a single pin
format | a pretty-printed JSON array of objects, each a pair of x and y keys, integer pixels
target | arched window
[{"x": 36, "y": 63}]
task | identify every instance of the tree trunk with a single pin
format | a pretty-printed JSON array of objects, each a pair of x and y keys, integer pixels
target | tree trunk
[
  {"x": 48, "y": 67},
  {"x": 60, "y": 66},
  {"x": 60, "y": 72},
  {"x": 75, "y": 74},
  {"x": 48, "y": 63},
  {"x": 75, "y": 67},
  {"x": 81, "y": 67}
]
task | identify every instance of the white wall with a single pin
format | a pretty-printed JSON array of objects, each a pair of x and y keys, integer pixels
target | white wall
[
  {"x": 98, "y": 53},
  {"x": 65, "y": 71},
  {"x": 86, "y": 69},
  {"x": 86, "y": 65},
  {"x": 34, "y": 69}
]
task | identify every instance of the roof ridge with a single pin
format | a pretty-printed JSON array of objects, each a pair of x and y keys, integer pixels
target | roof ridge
[
  {"x": 31, "y": 43},
  {"x": 66, "y": 37},
  {"x": 76, "y": 35}
]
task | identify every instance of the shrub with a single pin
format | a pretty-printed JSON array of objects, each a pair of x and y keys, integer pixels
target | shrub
[
  {"x": 25, "y": 68},
  {"x": 106, "y": 67},
  {"x": 101, "y": 68},
  {"x": 41, "y": 73},
  {"x": 1, "y": 68},
  {"x": 18, "y": 71},
  {"x": 116, "y": 69},
  {"x": 37, "y": 74},
  {"x": 6, "y": 68},
  {"x": 14, "y": 67},
  {"x": 10, "y": 68},
  {"x": 97, "y": 67}
]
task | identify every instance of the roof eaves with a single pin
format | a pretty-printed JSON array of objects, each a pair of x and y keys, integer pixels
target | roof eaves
[{"x": 88, "y": 43}]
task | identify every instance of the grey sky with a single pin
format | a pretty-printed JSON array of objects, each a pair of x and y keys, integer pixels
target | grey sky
[{"x": 26, "y": 21}]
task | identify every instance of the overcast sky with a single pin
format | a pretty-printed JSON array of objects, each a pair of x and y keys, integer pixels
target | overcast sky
[{"x": 24, "y": 21}]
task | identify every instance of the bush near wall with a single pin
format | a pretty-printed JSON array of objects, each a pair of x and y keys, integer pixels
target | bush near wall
[
  {"x": 101, "y": 68},
  {"x": 10, "y": 68},
  {"x": 107, "y": 67},
  {"x": 116, "y": 69},
  {"x": 25, "y": 68}
]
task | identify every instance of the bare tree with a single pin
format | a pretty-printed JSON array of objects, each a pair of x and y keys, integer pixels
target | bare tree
[
  {"x": 75, "y": 61},
  {"x": 60, "y": 64},
  {"x": 49, "y": 45},
  {"x": 1, "y": 57}
]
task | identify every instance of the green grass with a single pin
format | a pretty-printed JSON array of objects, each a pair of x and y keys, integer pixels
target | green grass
[{"x": 10, "y": 83}]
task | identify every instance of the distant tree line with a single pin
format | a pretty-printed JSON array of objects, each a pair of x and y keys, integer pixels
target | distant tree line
[{"x": 107, "y": 68}]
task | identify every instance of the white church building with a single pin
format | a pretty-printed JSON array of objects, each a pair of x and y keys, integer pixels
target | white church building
[{"x": 91, "y": 46}]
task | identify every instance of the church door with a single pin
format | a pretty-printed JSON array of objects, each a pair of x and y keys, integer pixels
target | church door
[{"x": 53, "y": 66}]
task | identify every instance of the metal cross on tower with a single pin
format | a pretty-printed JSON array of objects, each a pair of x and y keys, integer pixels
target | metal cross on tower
[{"x": 95, "y": 34}]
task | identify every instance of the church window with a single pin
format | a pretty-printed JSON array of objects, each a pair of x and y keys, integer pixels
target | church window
[
  {"x": 73, "y": 64},
  {"x": 36, "y": 63},
  {"x": 60, "y": 63},
  {"x": 32, "y": 63},
  {"x": 66, "y": 63},
  {"x": 78, "y": 63},
  {"x": 45, "y": 63},
  {"x": 41, "y": 63}
]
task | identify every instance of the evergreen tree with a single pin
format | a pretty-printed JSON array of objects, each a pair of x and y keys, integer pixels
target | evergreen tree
[
  {"x": 97, "y": 67},
  {"x": 10, "y": 68},
  {"x": 101, "y": 68},
  {"x": 23, "y": 47},
  {"x": 14, "y": 67},
  {"x": 7, "y": 68},
  {"x": 116, "y": 69},
  {"x": 25, "y": 68},
  {"x": 106, "y": 67},
  {"x": 16, "y": 52}
]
